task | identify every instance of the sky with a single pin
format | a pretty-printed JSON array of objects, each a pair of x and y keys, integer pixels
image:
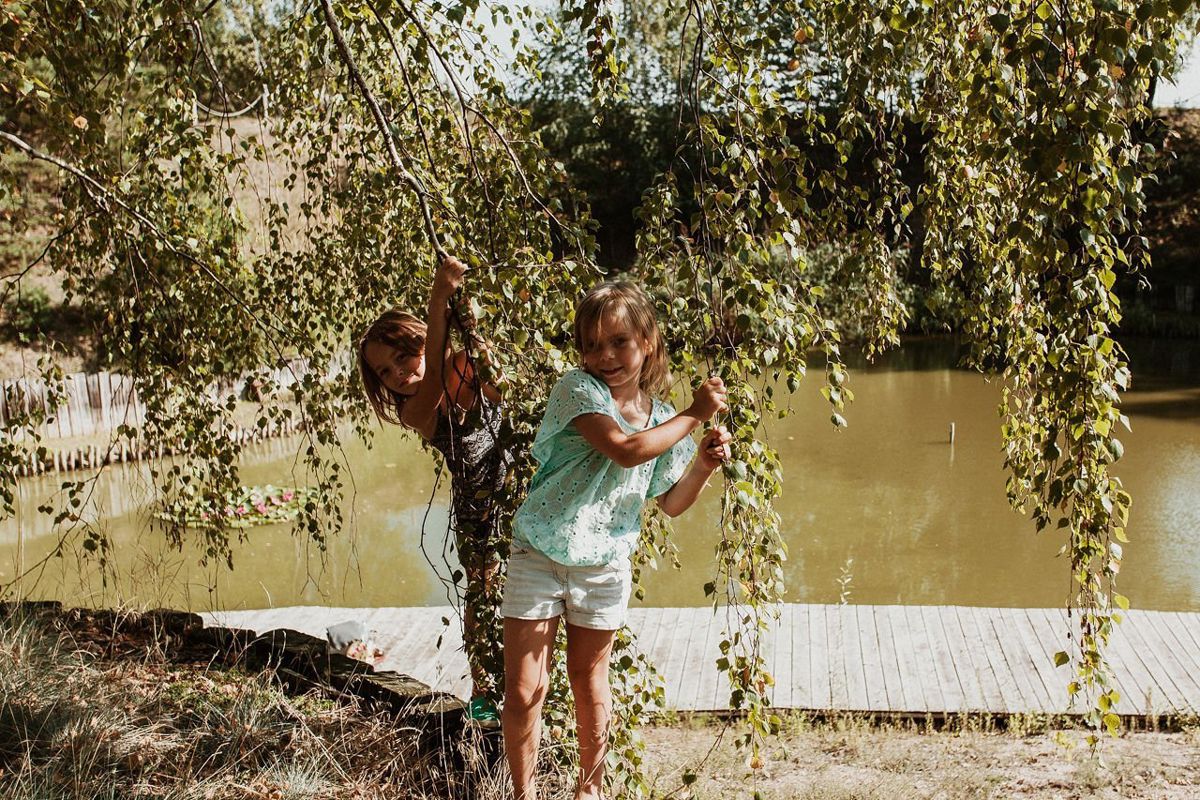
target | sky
[{"x": 1186, "y": 90}]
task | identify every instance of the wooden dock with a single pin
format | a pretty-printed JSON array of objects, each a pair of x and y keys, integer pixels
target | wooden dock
[{"x": 890, "y": 659}]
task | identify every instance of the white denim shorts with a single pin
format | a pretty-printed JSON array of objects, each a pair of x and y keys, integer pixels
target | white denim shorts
[{"x": 588, "y": 597}]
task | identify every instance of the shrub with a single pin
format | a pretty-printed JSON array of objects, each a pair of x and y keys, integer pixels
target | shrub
[{"x": 28, "y": 314}]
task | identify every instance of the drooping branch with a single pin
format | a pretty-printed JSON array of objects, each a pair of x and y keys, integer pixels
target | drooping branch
[
  {"x": 368, "y": 96},
  {"x": 103, "y": 198},
  {"x": 468, "y": 109}
]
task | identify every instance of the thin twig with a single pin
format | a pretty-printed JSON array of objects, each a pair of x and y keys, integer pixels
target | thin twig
[
  {"x": 418, "y": 188},
  {"x": 14, "y": 279},
  {"x": 466, "y": 106},
  {"x": 103, "y": 196}
]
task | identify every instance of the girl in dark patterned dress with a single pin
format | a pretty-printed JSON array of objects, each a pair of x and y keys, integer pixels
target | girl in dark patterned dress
[{"x": 455, "y": 412}]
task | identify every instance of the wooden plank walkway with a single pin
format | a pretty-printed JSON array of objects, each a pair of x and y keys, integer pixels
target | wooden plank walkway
[{"x": 894, "y": 659}]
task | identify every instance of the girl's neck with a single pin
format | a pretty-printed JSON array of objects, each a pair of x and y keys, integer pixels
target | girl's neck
[{"x": 627, "y": 394}]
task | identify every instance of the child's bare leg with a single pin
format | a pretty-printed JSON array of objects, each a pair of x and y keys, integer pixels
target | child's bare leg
[
  {"x": 484, "y": 580},
  {"x": 527, "y": 650},
  {"x": 587, "y": 668}
]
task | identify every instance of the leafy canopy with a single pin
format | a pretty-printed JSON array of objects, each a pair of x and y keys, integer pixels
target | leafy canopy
[{"x": 209, "y": 248}]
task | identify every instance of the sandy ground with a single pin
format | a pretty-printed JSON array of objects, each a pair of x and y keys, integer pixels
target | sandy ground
[
  {"x": 852, "y": 760},
  {"x": 17, "y": 361}
]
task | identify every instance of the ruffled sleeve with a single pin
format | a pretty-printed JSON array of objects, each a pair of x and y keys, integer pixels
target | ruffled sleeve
[
  {"x": 575, "y": 394},
  {"x": 670, "y": 466}
]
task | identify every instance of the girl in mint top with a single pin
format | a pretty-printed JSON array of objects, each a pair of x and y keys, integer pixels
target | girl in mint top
[
  {"x": 584, "y": 509},
  {"x": 606, "y": 446}
]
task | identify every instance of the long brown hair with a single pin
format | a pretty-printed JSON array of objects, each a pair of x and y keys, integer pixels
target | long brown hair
[
  {"x": 400, "y": 330},
  {"x": 626, "y": 301}
]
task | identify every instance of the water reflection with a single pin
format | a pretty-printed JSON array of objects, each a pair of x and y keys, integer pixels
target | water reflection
[
  {"x": 923, "y": 521},
  {"x": 390, "y": 553}
]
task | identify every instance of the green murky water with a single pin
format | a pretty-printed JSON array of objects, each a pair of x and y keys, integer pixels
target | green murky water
[{"x": 886, "y": 510}]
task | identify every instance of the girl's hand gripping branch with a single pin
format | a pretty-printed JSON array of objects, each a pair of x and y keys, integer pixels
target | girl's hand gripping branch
[
  {"x": 446, "y": 281},
  {"x": 631, "y": 449},
  {"x": 708, "y": 400},
  {"x": 714, "y": 449}
]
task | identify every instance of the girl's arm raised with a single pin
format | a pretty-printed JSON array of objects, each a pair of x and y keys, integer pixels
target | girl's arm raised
[
  {"x": 631, "y": 449},
  {"x": 420, "y": 412},
  {"x": 714, "y": 450}
]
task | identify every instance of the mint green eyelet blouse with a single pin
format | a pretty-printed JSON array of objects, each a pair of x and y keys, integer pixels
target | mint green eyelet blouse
[{"x": 584, "y": 509}]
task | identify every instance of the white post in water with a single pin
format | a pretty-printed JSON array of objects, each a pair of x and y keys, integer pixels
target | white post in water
[{"x": 951, "y": 433}]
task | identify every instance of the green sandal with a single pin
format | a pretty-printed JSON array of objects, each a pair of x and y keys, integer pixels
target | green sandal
[{"x": 482, "y": 712}]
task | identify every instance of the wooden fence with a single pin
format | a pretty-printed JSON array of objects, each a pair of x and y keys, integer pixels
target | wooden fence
[
  {"x": 121, "y": 452},
  {"x": 97, "y": 404},
  {"x": 122, "y": 489},
  {"x": 90, "y": 404}
]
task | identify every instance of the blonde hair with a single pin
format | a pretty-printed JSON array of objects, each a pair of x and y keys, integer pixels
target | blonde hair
[
  {"x": 625, "y": 301},
  {"x": 402, "y": 331}
]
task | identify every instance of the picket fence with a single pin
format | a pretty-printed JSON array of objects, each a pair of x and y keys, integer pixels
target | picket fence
[{"x": 99, "y": 403}]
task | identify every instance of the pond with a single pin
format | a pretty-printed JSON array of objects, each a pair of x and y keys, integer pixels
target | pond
[{"x": 885, "y": 511}]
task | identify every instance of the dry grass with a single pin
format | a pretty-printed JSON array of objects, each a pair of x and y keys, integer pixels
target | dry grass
[
  {"x": 853, "y": 759},
  {"x": 89, "y": 712},
  {"x": 91, "y": 715}
]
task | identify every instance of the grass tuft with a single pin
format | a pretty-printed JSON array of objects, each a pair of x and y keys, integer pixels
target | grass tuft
[{"x": 100, "y": 715}]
